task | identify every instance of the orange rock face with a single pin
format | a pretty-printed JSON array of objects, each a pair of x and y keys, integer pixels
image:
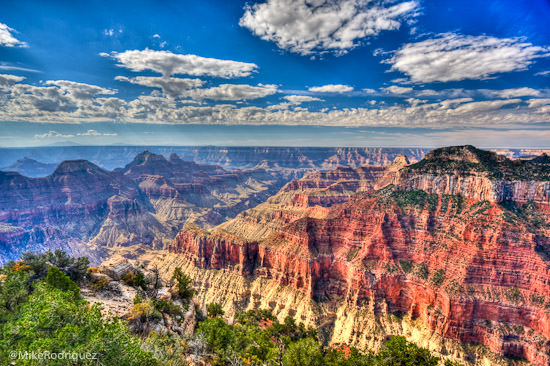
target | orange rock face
[{"x": 467, "y": 257}]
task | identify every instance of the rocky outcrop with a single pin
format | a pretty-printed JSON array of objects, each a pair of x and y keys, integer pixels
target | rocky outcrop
[
  {"x": 478, "y": 174},
  {"x": 147, "y": 307},
  {"x": 436, "y": 246}
]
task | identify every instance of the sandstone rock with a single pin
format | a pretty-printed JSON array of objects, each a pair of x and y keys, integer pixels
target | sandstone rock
[
  {"x": 118, "y": 270},
  {"x": 437, "y": 245}
]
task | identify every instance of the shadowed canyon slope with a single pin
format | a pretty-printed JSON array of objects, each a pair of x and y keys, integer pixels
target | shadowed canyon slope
[
  {"x": 453, "y": 248},
  {"x": 85, "y": 209}
]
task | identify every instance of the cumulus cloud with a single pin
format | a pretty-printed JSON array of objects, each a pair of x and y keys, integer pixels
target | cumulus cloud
[
  {"x": 53, "y": 134},
  {"x": 80, "y": 91},
  {"x": 95, "y": 133},
  {"x": 168, "y": 63},
  {"x": 542, "y": 102},
  {"x": 454, "y": 57},
  {"x": 58, "y": 101},
  {"x": 171, "y": 87},
  {"x": 511, "y": 93},
  {"x": 7, "y": 80},
  {"x": 7, "y": 39},
  {"x": 299, "y": 99},
  {"x": 396, "y": 89},
  {"x": 331, "y": 88},
  {"x": 317, "y": 26},
  {"x": 232, "y": 92}
]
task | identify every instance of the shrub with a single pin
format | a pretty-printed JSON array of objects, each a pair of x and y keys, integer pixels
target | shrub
[
  {"x": 60, "y": 280},
  {"x": 135, "y": 279},
  {"x": 437, "y": 278},
  {"x": 214, "y": 309},
  {"x": 420, "y": 270},
  {"x": 100, "y": 284},
  {"x": 397, "y": 351},
  {"x": 305, "y": 352},
  {"x": 406, "y": 266},
  {"x": 39, "y": 263},
  {"x": 183, "y": 284}
]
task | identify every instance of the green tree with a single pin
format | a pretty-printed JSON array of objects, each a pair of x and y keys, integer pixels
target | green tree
[
  {"x": 60, "y": 280},
  {"x": 57, "y": 321},
  {"x": 183, "y": 284},
  {"x": 14, "y": 289},
  {"x": 348, "y": 356},
  {"x": 305, "y": 352},
  {"x": 398, "y": 352},
  {"x": 39, "y": 264},
  {"x": 218, "y": 336},
  {"x": 214, "y": 309}
]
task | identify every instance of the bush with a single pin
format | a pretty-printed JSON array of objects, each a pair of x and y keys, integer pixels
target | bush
[
  {"x": 398, "y": 352},
  {"x": 49, "y": 315},
  {"x": 437, "y": 278},
  {"x": 406, "y": 266},
  {"x": 100, "y": 284},
  {"x": 305, "y": 352},
  {"x": 60, "y": 280},
  {"x": 183, "y": 284},
  {"x": 168, "y": 307},
  {"x": 214, "y": 309},
  {"x": 135, "y": 279},
  {"x": 39, "y": 264},
  {"x": 420, "y": 270}
]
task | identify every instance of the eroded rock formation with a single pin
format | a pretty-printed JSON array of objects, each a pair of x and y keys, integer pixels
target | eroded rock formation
[{"x": 458, "y": 242}]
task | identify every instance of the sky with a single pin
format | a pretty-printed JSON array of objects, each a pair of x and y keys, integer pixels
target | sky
[{"x": 275, "y": 72}]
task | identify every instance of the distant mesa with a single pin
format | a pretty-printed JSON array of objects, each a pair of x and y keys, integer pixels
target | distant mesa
[
  {"x": 30, "y": 168},
  {"x": 77, "y": 166}
]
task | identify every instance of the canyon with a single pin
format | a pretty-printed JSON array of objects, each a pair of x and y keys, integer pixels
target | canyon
[
  {"x": 84, "y": 209},
  {"x": 451, "y": 252},
  {"x": 449, "y": 248}
]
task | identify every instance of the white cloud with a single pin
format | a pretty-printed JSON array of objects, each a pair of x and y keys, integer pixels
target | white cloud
[
  {"x": 299, "y": 99},
  {"x": 53, "y": 134},
  {"x": 543, "y": 73},
  {"x": 95, "y": 133},
  {"x": 331, "y": 88},
  {"x": 511, "y": 93},
  {"x": 110, "y": 32},
  {"x": 65, "y": 102},
  {"x": 396, "y": 89},
  {"x": 232, "y": 92},
  {"x": 7, "y": 39},
  {"x": 453, "y": 57},
  {"x": 80, "y": 91},
  {"x": 171, "y": 87},
  {"x": 6, "y": 66},
  {"x": 427, "y": 93},
  {"x": 168, "y": 63},
  {"x": 369, "y": 91},
  {"x": 317, "y": 26},
  {"x": 7, "y": 80},
  {"x": 535, "y": 103}
]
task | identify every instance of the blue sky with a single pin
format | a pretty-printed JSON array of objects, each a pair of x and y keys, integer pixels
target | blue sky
[{"x": 276, "y": 72}]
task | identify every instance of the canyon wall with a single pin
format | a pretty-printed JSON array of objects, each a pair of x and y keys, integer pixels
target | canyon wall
[{"x": 459, "y": 260}]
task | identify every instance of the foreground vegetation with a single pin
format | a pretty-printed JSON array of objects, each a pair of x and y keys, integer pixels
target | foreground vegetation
[{"x": 41, "y": 310}]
